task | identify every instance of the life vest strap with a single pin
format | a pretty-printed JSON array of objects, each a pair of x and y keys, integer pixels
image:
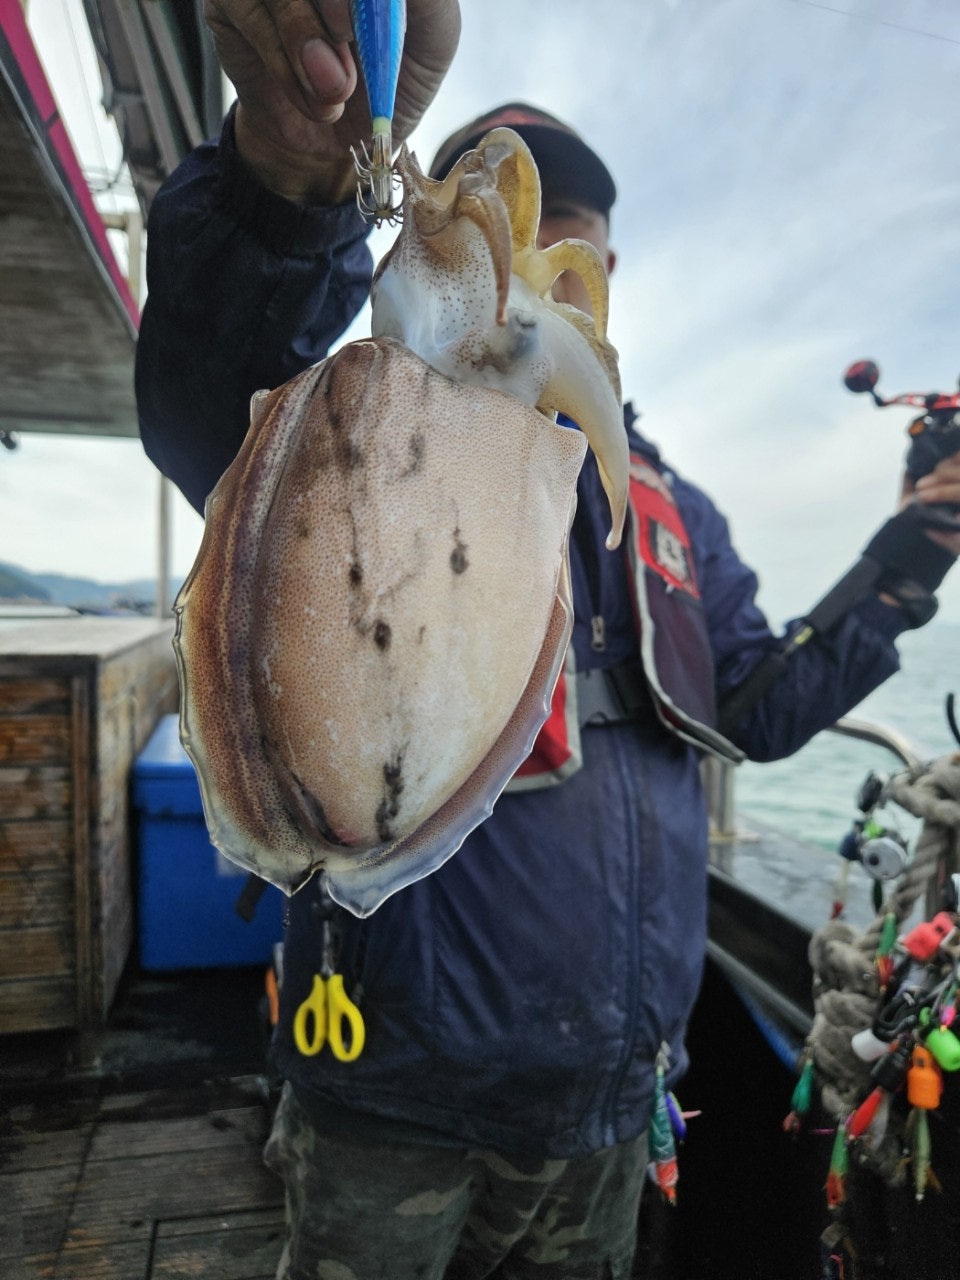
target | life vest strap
[{"x": 612, "y": 695}]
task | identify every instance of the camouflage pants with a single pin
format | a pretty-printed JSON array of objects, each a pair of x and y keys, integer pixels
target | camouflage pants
[{"x": 405, "y": 1212}]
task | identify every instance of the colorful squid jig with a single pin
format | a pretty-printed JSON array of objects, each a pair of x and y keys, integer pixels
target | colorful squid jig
[{"x": 379, "y": 27}]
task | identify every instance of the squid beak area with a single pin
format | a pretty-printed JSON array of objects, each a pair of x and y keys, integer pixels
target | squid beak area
[
  {"x": 438, "y": 210},
  {"x": 585, "y": 382},
  {"x": 494, "y": 190}
]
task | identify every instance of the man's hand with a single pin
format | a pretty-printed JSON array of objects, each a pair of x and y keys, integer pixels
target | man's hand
[
  {"x": 300, "y": 109},
  {"x": 942, "y": 485}
]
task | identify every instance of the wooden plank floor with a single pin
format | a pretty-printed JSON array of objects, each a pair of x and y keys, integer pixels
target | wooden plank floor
[{"x": 152, "y": 1186}]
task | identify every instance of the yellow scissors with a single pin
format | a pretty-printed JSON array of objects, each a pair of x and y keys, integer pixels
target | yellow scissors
[
  {"x": 328, "y": 1010},
  {"x": 323, "y": 1018}
]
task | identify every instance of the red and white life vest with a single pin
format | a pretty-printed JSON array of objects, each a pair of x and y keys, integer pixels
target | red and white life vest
[{"x": 675, "y": 651}]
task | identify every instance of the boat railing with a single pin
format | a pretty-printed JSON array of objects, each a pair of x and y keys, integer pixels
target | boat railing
[
  {"x": 757, "y": 941},
  {"x": 719, "y": 776},
  {"x": 879, "y": 735}
]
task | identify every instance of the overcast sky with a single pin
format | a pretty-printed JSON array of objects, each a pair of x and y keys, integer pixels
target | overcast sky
[{"x": 789, "y": 201}]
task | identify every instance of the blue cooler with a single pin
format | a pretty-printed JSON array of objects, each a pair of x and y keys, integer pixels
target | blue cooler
[{"x": 188, "y": 889}]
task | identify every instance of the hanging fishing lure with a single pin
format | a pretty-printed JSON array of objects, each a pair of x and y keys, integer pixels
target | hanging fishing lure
[
  {"x": 663, "y": 1149},
  {"x": 884, "y": 960},
  {"x": 836, "y": 1187},
  {"x": 801, "y": 1100},
  {"x": 917, "y": 1147},
  {"x": 924, "y": 1090},
  {"x": 378, "y": 28}
]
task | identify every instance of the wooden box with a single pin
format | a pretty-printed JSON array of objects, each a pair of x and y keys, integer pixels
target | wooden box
[{"x": 78, "y": 699}]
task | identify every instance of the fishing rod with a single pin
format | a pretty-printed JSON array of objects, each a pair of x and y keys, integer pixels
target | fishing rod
[{"x": 900, "y": 560}]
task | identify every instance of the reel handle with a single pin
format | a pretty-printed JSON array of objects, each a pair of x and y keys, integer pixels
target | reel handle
[{"x": 934, "y": 435}]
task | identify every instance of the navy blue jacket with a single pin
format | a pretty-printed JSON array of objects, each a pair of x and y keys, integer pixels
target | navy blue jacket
[{"x": 517, "y": 997}]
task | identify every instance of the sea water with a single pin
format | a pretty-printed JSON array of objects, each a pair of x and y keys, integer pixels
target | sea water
[{"x": 813, "y": 794}]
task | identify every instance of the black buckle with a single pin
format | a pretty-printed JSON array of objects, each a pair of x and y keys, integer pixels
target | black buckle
[{"x": 611, "y": 695}]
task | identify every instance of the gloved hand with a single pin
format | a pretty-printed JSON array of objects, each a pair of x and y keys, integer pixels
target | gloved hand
[{"x": 941, "y": 485}]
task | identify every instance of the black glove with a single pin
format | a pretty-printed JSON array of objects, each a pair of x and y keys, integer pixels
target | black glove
[{"x": 911, "y": 565}]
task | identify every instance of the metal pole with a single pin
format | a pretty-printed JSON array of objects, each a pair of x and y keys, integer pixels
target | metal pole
[
  {"x": 130, "y": 221},
  {"x": 718, "y": 780},
  {"x": 164, "y": 521},
  {"x": 133, "y": 220}
]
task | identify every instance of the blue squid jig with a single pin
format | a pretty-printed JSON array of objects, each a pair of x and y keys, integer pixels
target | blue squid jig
[{"x": 378, "y": 27}]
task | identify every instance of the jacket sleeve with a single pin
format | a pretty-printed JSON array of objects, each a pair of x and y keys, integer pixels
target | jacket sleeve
[
  {"x": 245, "y": 290},
  {"x": 823, "y": 679}
]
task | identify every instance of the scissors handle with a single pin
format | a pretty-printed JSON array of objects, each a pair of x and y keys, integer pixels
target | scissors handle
[
  {"x": 310, "y": 1020},
  {"x": 341, "y": 1012},
  {"x": 324, "y": 1016}
]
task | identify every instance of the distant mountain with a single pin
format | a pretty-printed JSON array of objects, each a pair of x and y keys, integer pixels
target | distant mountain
[
  {"x": 17, "y": 584},
  {"x": 20, "y": 585}
]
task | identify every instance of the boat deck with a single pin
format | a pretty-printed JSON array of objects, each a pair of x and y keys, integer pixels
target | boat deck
[
  {"x": 136, "y": 1155},
  {"x": 156, "y": 1184}
]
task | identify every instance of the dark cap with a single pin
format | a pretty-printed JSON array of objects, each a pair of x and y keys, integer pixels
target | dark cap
[{"x": 567, "y": 165}]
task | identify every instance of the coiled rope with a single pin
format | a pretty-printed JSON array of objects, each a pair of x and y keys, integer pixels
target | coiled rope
[{"x": 845, "y": 983}]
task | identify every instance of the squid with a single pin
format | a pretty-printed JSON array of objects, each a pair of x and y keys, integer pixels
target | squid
[{"x": 380, "y": 608}]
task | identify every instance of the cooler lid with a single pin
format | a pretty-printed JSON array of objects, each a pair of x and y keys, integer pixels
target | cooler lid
[{"x": 163, "y": 754}]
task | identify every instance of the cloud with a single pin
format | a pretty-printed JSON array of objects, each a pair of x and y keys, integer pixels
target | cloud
[
  {"x": 788, "y": 200},
  {"x": 87, "y": 507}
]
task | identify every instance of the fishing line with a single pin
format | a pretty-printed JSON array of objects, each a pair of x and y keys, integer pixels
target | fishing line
[
  {"x": 103, "y": 179},
  {"x": 880, "y": 22},
  {"x": 68, "y": 17}
]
